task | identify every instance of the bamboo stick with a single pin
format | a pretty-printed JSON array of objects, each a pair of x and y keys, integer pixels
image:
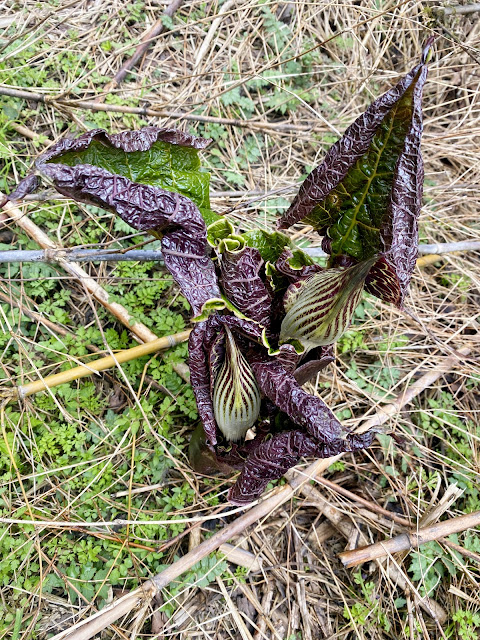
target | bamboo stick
[
  {"x": 411, "y": 540},
  {"x": 94, "y": 105},
  {"x": 341, "y": 524},
  {"x": 100, "y": 365}
]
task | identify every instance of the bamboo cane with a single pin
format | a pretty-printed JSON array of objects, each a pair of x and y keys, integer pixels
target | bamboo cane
[
  {"x": 411, "y": 540},
  {"x": 99, "y": 365}
]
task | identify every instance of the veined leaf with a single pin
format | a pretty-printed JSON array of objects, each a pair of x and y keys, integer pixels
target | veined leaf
[
  {"x": 236, "y": 397},
  {"x": 320, "y": 308},
  {"x": 366, "y": 194},
  {"x": 165, "y": 158},
  {"x": 166, "y": 215},
  {"x": 240, "y": 279}
]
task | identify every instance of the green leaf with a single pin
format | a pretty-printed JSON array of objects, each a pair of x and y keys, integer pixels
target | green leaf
[
  {"x": 272, "y": 245},
  {"x": 355, "y": 209},
  {"x": 173, "y": 167}
]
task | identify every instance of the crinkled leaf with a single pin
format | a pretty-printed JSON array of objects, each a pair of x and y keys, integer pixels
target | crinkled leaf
[
  {"x": 28, "y": 185},
  {"x": 221, "y": 235},
  {"x": 305, "y": 410},
  {"x": 236, "y": 397},
  {"x": 272, "y": 458},
  {"x": 366, "y": 194},
  {"x": 200, "y": 379},
  {"x": 290, "y": 266},
  {"x": 241, "y": 281},
  {"x": 166, "y": 158},
  {"x": 170, "y": 216},
  {"x": 320, "y": 308}
]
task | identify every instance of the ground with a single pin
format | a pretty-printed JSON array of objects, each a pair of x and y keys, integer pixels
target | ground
[{"x": 277, "y": 85}]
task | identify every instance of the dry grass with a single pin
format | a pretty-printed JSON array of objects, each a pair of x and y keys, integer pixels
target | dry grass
[{"x": 302, "y": 590}]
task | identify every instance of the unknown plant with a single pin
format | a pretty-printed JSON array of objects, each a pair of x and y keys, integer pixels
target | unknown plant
[{"x": 265, "y": 316}]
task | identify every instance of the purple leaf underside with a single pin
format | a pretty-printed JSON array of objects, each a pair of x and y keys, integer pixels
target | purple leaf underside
[
  {"x": 240, "y": 280},
  {"x": 271, "y": 459},
  {"x": 171, "y": 216},
  {"x": 366, "y": 194}
]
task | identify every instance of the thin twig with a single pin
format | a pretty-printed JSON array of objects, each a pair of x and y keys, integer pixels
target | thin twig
[
  {"x": 92, "y": 105},
  {"x": 146, "y": 42},
  {"x": 410, "y": 540},
  {"x": 96, "y": 255},
  {"x": 457, "y": 10}
]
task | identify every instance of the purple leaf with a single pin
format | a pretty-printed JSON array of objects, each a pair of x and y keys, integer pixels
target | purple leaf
[
  {"x": 318, "y": 359},
  {"x": 272, "y": 458},
  {"x": 304, "y": 409},
  {"x": 366, "y": 194},
  {"x": 170, "y": 216},
  {"x": 28, "y": 185},
  {"x": 200, "y": 380},
  {"x": 240, "y": 280}
]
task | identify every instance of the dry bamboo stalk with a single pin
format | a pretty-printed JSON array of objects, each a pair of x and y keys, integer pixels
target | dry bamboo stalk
[
  {"x": 86, "y": 629},
  {"x": 137, "y": 328},
  {"x": 100, "y": 365},
  {"x": 411, "y": 540}
]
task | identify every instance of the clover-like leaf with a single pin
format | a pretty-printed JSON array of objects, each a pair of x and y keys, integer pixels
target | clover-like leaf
[{"x": 366, "y": 194}]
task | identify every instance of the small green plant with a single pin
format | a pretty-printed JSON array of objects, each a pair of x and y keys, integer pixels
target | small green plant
[{"x": 367, "y": 611}]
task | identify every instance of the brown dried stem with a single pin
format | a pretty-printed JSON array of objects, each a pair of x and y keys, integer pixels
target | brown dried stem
[
  {"x": 411, "y": 540},
  {"x": 92, "y": 105},
  {"x": 146, "y": 42}
]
